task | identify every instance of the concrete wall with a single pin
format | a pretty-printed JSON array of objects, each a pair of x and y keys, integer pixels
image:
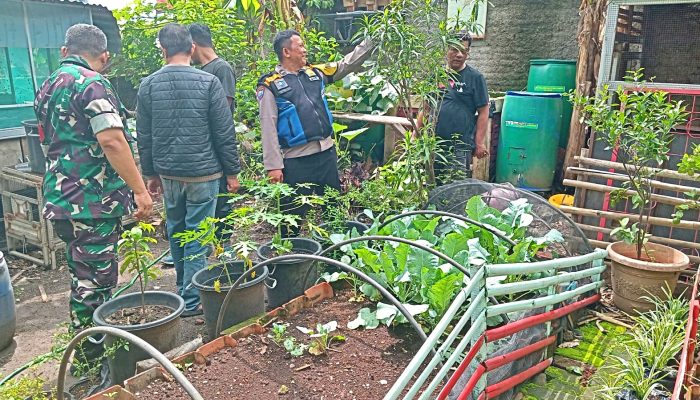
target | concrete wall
[
  {"x": 671, "y": 52},
  {"x": 520, "y": 30}
]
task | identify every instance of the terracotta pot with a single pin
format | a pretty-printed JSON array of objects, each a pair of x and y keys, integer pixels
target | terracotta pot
[{"x": 633, "y": 279}]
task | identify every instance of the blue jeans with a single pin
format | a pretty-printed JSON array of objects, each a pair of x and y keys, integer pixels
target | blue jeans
[{"x": 186, "y": 205}]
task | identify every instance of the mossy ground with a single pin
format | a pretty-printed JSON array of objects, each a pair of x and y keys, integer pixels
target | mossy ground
[{"x": 593, "y": 349}]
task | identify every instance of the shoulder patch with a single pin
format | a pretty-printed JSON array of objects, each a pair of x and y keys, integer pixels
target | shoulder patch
[
  {"x": 272, "y": 78},
  {"x": 328, "y": 69},
  {"x": 259, "y": 94}
]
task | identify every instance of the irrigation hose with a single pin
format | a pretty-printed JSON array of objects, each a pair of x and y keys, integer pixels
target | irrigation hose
[
  {"x": 295, "y": 257},
  {"x": 133, "y": 339},
  {"x": 47, "y": 356}
]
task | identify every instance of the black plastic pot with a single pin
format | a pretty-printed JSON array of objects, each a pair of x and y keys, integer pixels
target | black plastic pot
[
  {"x": 248, "y": 300},
  {"x": 346, "y": 227},
  {"x": 286, "y": 279},
  {"x": 161, "y": 334}
]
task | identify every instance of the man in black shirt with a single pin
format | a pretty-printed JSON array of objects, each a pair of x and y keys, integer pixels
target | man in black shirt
[
  {"x": 205, "y": 56},
  {"x": 462, "y": 114}
]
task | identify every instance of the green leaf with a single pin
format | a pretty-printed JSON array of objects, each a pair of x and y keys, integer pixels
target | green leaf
[
  {"x": 442, "y": 292},
  {"x": 364, "y": 318}
]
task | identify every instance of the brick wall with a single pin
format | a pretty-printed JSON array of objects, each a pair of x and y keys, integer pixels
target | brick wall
[{"x": 520, "y": 30}]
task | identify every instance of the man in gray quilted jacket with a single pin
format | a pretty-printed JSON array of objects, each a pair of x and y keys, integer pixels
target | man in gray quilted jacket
[{"x": 186, "y": 142}]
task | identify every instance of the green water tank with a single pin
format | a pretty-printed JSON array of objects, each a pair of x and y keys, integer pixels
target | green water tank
[
  {"x": 555, "y": 76},
  {"x": 529, "y": 139}
]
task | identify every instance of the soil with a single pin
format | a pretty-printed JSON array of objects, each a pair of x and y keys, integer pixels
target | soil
[
  {"x": 363, "y": 367},
  {"x": 135, "y": 315}
]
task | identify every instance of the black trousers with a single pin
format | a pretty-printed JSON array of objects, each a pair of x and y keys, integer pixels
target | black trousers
[
  {"x": 458, "y": 163},
  {"x": 320, "y": 170}
]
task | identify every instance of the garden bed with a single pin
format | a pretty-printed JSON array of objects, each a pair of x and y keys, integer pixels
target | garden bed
[{"x": 365, "y": 365}]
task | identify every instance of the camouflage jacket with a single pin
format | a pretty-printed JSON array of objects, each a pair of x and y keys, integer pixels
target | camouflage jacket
[{"x": 73, "y": 105}]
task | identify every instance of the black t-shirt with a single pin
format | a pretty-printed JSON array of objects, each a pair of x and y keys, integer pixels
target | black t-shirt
[
  {"x": 457, "y": 113},
  {"x": 222, "y": 70}
]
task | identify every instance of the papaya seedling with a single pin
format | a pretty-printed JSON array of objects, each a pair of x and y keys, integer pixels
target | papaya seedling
[{"x": 137, "y": 256}]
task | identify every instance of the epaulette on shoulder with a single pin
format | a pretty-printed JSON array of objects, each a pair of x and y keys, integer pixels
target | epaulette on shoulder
[
  {"x": 267, "y": 79},
  {"x": 328, "y": 69}
]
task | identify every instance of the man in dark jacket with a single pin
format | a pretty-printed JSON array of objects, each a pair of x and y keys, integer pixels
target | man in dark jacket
[{"x": 186, "y": 143}]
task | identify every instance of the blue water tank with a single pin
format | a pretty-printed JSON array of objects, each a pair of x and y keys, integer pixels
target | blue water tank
[{"x": 7, "y": 305}]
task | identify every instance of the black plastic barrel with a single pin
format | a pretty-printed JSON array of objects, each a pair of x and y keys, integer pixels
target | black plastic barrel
[{"x": 8, "y": 317}]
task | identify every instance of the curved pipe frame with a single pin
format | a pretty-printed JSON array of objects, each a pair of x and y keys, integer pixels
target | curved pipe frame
[
  {"x": 450, "y": 215},
  {"x": 133, "y": 339},
  {"x": 291, "y": 257}
]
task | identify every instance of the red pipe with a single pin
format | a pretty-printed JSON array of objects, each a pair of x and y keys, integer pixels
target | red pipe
[
  {"x": 509, "y": 383},
  {"x": 461, "y": 368},
  {"x": 482, "y": 396},
  {"x": 472, "y": 382},
  {"x": 504, "y": 359},
  {"x": 517, "y": 326}
]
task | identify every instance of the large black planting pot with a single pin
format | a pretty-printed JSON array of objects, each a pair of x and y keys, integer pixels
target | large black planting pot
[
  {"x": 246, "y": 302},
  {"x": 345, "y": 227},
  {"x": 161, "y": 334},
  {"x": 286, "y": 279}
]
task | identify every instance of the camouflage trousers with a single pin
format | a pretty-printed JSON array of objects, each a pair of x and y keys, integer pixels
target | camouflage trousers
[{"x": 91, "y": 246}]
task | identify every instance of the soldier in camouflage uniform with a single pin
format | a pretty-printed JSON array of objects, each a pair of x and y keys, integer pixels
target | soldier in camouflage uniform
[{"x": 90, "y": 168}]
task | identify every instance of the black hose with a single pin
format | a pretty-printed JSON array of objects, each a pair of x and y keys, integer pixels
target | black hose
[
  {"x": 294, "y": 257},
  {"x": 450, "y": 215}
]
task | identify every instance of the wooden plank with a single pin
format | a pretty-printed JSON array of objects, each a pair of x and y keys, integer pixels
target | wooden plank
[
  {"x": 654, "y": 239},
  {"x": 660, "y": 172},
  {"x": 481, "y": 165},
  {"x": 693, "y": 225},
  {"x": 674, "y": 201},
  {"x": 604, "y": 245},
  {"x": 377, "y": 119},
  {"x": 623, "y": 178}
]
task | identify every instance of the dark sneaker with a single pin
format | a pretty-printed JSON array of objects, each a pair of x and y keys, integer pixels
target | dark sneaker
[{"x": 168, "y": 261}]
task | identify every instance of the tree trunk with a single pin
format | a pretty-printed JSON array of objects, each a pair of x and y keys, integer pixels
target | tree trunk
[{"x": 590, "y": 40}]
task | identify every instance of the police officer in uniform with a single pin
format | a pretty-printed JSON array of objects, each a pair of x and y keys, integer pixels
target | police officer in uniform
[{"x": 297, "y": 126}]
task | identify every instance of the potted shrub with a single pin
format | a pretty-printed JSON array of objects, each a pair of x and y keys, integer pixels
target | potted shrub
[
  {"x": 154, "y": 316},
  {"x": 636, "y": 125},
  {"x": 215, "y": 281},
  {"x": 287, "y": 277}
]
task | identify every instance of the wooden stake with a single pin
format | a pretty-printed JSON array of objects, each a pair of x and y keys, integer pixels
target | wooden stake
[
  {"x": 612, "y": 320},
  {"x": 44, "y": 297}
]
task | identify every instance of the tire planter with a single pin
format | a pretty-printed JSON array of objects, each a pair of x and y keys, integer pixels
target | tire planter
[
  {"x": 347, "y": 227},
  {"x": 286, "y": 278},
  {"x": 161, "y": 334},
  {"x": 633, "y": 279},
  {"x": 8, "y": 317},
  {"x": 248, "y": 300}
]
